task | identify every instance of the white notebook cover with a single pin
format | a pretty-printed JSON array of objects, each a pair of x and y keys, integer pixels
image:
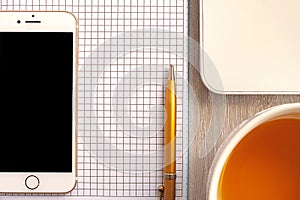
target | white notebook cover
[{"x": 250, "y": 46}]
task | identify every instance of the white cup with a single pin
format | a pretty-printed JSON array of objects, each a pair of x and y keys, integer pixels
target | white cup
[{"x": 291, "y": 110}]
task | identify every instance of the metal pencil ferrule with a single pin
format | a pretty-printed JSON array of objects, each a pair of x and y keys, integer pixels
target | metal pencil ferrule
[{"x": 169, "y": 176}]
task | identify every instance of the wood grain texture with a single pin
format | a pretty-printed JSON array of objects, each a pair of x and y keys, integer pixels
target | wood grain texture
[{"x": 238, "y": 108}]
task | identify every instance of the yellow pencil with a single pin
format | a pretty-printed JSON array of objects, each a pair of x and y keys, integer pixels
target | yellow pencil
[{"x": 170, "y": 138}]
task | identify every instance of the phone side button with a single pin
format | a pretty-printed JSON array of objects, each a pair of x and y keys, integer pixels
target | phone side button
[{"x": 32, "y": 182}]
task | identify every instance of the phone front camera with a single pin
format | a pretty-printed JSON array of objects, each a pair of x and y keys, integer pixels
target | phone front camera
[{"x": 19, "y": 21}]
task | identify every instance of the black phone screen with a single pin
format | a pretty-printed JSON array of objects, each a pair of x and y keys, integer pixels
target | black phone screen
[{"x": 36, "y": 101}]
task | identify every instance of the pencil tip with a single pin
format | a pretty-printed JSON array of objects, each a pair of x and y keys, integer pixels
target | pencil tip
[{"x": 171, "y": 73}]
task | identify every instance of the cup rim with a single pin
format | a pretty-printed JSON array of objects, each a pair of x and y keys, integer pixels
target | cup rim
[{"x": 236, "y": 136}]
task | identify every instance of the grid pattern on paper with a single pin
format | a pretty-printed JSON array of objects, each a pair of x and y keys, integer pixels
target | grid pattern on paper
[{"x": 121, "y": 92}]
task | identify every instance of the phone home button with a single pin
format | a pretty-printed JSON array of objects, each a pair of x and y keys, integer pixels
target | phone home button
[{"x": 32, "y": 182}]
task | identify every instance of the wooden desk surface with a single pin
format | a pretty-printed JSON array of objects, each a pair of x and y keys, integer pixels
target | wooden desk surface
[{"x": 238, "y": 109}]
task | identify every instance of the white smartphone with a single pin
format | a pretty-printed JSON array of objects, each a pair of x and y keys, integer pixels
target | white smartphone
[{"x": 38, "y": 66}]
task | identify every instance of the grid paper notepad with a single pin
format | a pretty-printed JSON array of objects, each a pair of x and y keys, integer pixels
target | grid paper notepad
[{"x": 124, "y": 56}]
